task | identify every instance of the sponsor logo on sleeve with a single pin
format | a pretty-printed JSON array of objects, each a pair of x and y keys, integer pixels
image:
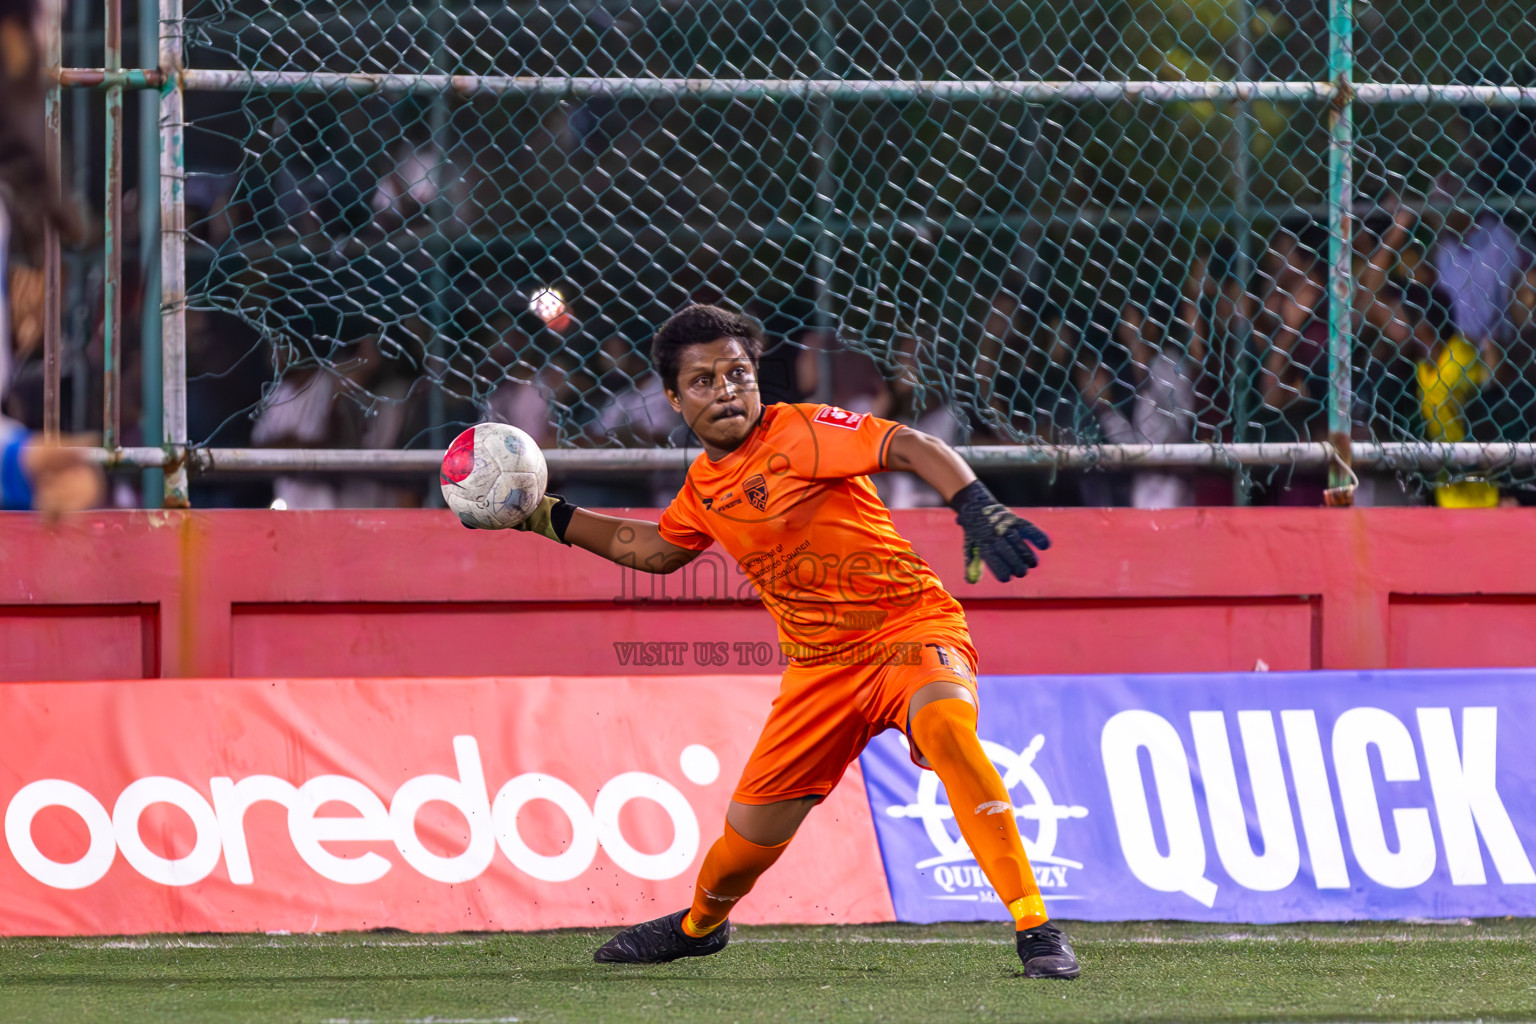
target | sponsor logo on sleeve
[{"x": 836, "y": 417}]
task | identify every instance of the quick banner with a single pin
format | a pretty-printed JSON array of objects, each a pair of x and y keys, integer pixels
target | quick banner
[
  {"x": 1260, "y": 797},
  {"x": 421, "y": 804}
]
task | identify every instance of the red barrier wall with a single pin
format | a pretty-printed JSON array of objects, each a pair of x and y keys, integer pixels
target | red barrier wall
[
  {"x": 410, "y": 593},
  {"x": 189, "y": 806}
]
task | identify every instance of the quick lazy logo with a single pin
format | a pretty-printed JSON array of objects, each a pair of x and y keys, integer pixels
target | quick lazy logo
[
  {"x": 1323, "y": 802},
  {"x": 953, "y": 867},
  {"x": 1390, "y": 835}
]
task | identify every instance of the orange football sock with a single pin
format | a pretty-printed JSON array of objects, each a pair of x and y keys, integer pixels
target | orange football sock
[
  {"x": 945, "y": 733},
  {"x": 730, "y": 869}
]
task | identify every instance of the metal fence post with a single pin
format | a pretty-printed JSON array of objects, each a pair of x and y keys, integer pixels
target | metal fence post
[
  {"x": 438, "y": 245},
  {"x": 1242, "y": 169},
  {"x": 152, "y": 415},
  {"x": 1341, "y": 124},
  {"x": 53, "y": 46},
  {"x": 173, "y": 271},
  {"x": 112, "y": 242},
  {"x": 825, "y": 189},
  {"x": 80, "y": 262}
]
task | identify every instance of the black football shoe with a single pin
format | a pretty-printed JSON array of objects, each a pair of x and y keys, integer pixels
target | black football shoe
[
  {"x": 1046, "y": 953},
  {"x": 661, "y": 941}
]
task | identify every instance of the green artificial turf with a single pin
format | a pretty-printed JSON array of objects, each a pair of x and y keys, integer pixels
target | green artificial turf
[{"x": 1160, "y": 971}]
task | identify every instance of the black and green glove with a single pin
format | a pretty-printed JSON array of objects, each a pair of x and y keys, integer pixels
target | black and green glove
[
  {"x": 995, "y": 535},
  {"x": 549, "y": 520}
]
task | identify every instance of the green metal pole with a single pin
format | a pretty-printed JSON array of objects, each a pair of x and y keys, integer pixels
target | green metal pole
[
  {"x": 826, "y": 188},
  {"x": 152, "y": 482},
  {"x": 112, "y": 240},
  {"x": 439, "y": 246},
  {"x": 53, "y": 48},
  {"x": 173, "y": 267},
  {"x": 1341, "y": 285},
  {"x": 1242, "y": 209},
  {"x": 75, "y": 338}
]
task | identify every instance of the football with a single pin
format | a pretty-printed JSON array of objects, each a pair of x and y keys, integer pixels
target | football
[{"x": 493, "y": 476}]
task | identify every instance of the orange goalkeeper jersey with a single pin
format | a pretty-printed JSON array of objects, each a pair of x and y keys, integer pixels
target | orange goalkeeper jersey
[{"x": 795, "y": 508}]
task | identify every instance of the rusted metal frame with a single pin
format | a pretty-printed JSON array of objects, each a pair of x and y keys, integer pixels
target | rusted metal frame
[
  {"x": 1400, "y": 456},
  {"x": 1341, "y": 278},
  {"x": 112, "y": 241},
  {"x": 53, "y": 46},
  {"x": 106, "y": 78},
  {"x": 173, "y": 272}
]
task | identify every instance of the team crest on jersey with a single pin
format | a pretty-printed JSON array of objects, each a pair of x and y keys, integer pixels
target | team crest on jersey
[
  {"x": 840, "y": 417},
  {"x": 757, "y": 491}
]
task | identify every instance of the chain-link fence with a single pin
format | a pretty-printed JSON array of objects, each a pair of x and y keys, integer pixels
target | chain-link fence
[{"x": 1235, "y": 234}]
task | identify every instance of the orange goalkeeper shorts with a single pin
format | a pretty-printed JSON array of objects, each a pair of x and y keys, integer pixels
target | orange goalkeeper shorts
[{"x": 826, "y": 714}]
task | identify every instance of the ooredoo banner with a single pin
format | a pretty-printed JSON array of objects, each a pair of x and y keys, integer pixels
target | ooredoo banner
[
  {"x": 453, "y": 804},
  {"x": 422, "y": 804},
  {"x": 1259, "y": 797}
]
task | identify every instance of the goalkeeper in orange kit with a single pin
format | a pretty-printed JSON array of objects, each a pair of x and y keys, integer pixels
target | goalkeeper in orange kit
[{"x": 875, "y": 642}]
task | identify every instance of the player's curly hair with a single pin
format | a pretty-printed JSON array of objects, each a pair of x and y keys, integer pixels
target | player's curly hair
[{"x": 700, "y": 325}]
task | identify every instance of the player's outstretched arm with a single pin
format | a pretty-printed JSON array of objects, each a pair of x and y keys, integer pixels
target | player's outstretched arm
[
  {"x": 633, "y": 543},
  {"x": 934, "y": 462},
  {"x": 994, "y": 536}
]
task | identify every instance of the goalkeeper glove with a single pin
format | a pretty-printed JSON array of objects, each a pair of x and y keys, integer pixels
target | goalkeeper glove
[
  {"x": 995, "y": 535},
  {"x": 549, "y": 520}
]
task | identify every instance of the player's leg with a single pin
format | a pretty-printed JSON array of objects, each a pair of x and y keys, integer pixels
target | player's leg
[
  {"x": 755, "y": 836},
  {"x": 941, "y": 723},
  {"x": 730, "y": 869},
  {"x": 942, "y": 726},
  {"x": 812, "y": 734}
]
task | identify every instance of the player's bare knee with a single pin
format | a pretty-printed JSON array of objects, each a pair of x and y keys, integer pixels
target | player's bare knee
[
  {"x": 938, "y": 690},
  {"x": 769, "y": 824}
]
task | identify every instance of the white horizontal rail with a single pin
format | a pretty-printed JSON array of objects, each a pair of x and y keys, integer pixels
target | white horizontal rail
[
  {"x": 230, "y": 80},
  {"x": 568, "y": 87},
  {"x": 996, "y": 458}
]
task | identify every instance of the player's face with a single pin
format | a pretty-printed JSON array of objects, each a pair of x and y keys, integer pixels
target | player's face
[{"x": 717, "y": 394}]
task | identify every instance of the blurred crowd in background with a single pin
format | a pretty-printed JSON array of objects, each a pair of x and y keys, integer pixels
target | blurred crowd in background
[
  {"x": 1200, "y": 335},
  {"x": 1219, "y": 346},
  {"x": 1208, "y": 345}
]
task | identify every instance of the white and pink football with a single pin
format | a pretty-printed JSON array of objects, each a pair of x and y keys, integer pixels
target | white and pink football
[{"x": 493, "y": 476}]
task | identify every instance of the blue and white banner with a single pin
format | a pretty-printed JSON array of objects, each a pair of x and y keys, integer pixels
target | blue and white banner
[{"x": 1258, "y": 797}]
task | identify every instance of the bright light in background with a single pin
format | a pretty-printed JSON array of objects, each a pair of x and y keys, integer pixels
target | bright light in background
[
  {"x": 548, "y": 306},
  {"x": 279, "y": 505}
]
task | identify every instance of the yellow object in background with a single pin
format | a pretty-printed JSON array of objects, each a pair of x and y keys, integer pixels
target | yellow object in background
[
  {"x": 1446, "y": 384},
  {"x": 1467, "y": 494}
]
